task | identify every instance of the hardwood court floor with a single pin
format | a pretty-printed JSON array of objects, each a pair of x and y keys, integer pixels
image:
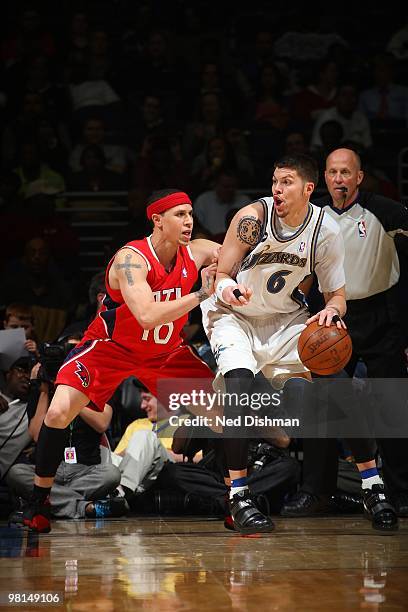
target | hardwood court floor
[{"x": 182, "y": 564}]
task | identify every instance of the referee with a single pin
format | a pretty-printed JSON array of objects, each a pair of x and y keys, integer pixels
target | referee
[{"x": 369, "y": 225}]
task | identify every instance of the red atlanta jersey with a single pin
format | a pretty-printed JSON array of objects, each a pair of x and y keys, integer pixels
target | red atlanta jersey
[{"x": 116, "y": 322}]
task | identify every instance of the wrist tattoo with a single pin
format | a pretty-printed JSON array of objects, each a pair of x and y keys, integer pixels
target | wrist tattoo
[
  {"x": 235, "y": 269},
  {"x": 201, "y": 295},
  {"x": 127, "y": 267},
  {"x": 249, "y": 230}
]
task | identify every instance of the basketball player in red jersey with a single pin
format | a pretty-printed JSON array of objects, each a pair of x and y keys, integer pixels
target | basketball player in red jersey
[{"x": 137, "y": 333}]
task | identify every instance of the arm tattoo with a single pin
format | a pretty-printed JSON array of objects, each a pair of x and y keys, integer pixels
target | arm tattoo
[
  {"x": 127, "y": 267},
  {"x": 201, "y": 295},
  {"x": 249, "y": 230},
  {"x": 235, "y": 269}
]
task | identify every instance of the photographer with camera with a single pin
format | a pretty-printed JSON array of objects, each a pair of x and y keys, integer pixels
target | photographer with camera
[
  {"x": 14, "y": 434},
  {"x": 82, "y": 482}
]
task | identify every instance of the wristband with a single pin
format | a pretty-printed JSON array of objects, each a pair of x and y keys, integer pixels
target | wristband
[{"x": 222, "y": 284}]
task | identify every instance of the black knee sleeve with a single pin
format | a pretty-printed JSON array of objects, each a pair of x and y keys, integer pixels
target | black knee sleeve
[
  {"x": 50, "y": 450},
  {"x": 237, "y": 382}
]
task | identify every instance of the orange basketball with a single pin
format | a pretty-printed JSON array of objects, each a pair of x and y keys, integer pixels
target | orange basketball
[{"x": 324, "y": 350}]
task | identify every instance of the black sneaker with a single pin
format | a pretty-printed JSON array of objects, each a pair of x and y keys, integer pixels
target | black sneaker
[
  {"x": 107, "y": 508},
  {"x": 378, "y": 509},
  {"x": 400, "y": 501},
  {"x": 246, "y": 516},
  {"x": 37, "y": 516},
  {"x": 305, "y": 504}
]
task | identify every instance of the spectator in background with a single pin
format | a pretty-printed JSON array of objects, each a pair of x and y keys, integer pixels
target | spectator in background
[
  {"x": 295, "y": 144},
  {"x": 212, "y": 81},
  {"x": 32, "y": 169},
  {"x": 90, "y": 96},
  {"x": 261, "y": 55},
  {"x": 43, "y": 221},
  {"x": 25, "y": 127},
  {"x": 141, "y": 453},
  {"x": 95, "y": 176},
  {"x": 158, "y": 69},
  {"x": 35, "y": 280},
  {"x": 93, "y": 133},
  {"x": 398, "y": 44},
  {"x": 40, "y": 220},
  {"x": 318, "y": 95},
  {"x": 219, "y": 154},
  {"x": 386, "y": 101},
  {"x": 53, "y": 149},
  {"x": 75, "y": 43},
  {"x": 35, "y": 77},
  {"x": 355, "y": 124},
  {"x": 100, "y": 56},
  {"x": 14, "y": 436},
  {"x": 270, "y": 104},
  {"x": 149, "y": 121},
  {"x": 30, "y": 39},
  {"x": 208, "y": 123},
  {"x": 19, "y": 315},
  {"x": 211, "y": 207},
  {"x": 160, "y": 165}
]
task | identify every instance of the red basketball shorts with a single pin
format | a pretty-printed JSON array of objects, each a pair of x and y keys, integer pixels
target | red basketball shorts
[{"x": 97, "y": 367}]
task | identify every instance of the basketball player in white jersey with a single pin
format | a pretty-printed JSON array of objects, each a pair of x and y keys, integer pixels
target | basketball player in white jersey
[{"x": 254, "y": 322}]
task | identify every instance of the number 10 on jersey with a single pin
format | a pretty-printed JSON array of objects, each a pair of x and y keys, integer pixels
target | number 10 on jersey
[{"x": 158, "y": 295}]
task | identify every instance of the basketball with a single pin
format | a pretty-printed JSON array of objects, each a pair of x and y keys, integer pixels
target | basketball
[{"x": 324, "y": 350}]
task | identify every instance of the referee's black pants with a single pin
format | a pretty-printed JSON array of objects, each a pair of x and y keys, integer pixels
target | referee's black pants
[{"x": 375, "y": 328}]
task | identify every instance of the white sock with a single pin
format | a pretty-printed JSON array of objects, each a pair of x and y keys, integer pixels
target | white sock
[
  {"x": 367, "y": 483},
  {"x": 235, "y": 490}
]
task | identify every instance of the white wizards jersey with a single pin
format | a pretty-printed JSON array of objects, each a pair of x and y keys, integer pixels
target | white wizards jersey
[{"x": 285, "y": 256}]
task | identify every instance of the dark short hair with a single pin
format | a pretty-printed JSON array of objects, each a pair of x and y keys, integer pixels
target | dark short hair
[
  {"x": 304, "y": 165},
  {"x": 21, "y": 362}
]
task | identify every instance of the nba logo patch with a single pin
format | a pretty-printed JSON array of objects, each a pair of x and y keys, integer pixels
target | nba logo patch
[
  {"x": 184, "y": 273},
  {"x": 302, "y": 247},
  {"x": 362, "y": 229}
]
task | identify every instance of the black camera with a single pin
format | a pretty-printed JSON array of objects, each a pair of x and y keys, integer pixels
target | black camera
[
  {"x": 260, "y": 454},
  {"x": 52, "y": 356}
]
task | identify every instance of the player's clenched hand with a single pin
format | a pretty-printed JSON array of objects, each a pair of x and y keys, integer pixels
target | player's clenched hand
[
  {"x": 231, "y": 295},
  {"x": 326, "y": 317},
  {"x": 208, "y": 278}
]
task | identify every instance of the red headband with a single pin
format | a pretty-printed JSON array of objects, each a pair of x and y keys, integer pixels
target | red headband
[{"x": 167, "y": 202}]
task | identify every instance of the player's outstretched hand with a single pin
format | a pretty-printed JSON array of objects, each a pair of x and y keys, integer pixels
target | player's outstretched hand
[
  {"x": 237, "y": 295},
  {"x": 326, "y": 317},
  {"x": 208, "y": 278}
]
